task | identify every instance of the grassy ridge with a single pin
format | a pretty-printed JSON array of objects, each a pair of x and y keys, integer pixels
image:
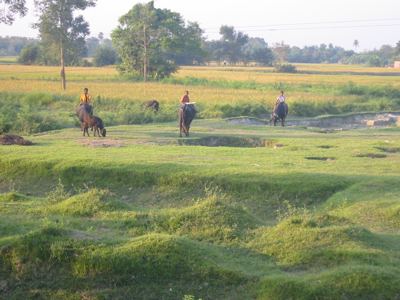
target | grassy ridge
[{"x": 153, "y": 219}]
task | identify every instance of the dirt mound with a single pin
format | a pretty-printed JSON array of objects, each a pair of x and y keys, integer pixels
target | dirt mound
[{"x": 9, "y": 139}]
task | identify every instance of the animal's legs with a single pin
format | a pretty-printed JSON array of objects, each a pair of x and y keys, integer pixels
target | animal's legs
[{"x": 86, "y": 129}]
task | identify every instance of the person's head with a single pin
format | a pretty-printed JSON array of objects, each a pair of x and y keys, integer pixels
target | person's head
[
  {"x": 282, "y": 92},
  {"x": 187, "y": 93},
  {"x": 86, "y": 90}
]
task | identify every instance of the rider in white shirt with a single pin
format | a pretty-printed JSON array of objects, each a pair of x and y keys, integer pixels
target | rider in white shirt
[{"x": 281, "y": 98}]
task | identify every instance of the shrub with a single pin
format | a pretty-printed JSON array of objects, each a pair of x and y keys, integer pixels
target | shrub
[
  {"x": 105, "y": 56},
  {"x": 29, "y": 55},
  {"x": 285, "y": 68}
]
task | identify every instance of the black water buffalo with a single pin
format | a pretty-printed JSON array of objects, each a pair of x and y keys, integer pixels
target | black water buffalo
[
  {"x": 152, "y": 104},
  {"x": 280, "y": 113},
  {"x": 98, "y": 126},
  {"x": 187, "y": 112}
]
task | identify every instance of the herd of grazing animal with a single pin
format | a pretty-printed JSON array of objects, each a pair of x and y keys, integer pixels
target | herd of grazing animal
[{"x": 186, "y": 115}]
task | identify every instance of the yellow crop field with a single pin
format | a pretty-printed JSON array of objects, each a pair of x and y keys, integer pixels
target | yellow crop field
[
  {"x": 324, "y": 74},
  {"x": 159, "y": 91},
  {"x": 325, "y": 77},
  {"x": 313, "y": 83}
]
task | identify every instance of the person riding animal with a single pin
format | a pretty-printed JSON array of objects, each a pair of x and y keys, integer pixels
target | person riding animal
[
  {"x": 185, "y": 99},
  {"x": 281, "y": 109},
  {"x": 187, "y": 112},
  {"x": 86, "y": 100},
  {"x": 281, "y": 99}
]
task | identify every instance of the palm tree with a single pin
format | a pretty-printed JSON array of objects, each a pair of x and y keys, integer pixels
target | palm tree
[{"x": 356, "y": 44}]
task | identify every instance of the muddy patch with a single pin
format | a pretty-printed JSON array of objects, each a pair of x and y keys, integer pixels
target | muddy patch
[
  {"x": 102, "y": 143},
  {"x": 319, "y": 158},
  {"x": 338, "y": 122},
  {"x": 9, "y": 139},
  {"x": 371, "y": 155},
  {"x": 246, "y": 121},
  {"x": 224, "y": 141},
  {"x": 325, "y": 147},
  {"x": 389, "y": 149}
]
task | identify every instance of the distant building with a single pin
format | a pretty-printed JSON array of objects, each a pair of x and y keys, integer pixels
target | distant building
[{"x": 396, "y": 64}]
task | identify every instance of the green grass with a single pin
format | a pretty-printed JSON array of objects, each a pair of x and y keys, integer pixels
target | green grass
[
  {"x": 8, "y": 60},
  {"x": 148, "y": 216},
  {"x": 31, "y": 101}
]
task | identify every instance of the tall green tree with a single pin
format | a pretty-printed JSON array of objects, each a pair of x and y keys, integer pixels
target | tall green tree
[
  {"x": 29, "y": 55},
  {"x": 232, "y": 42},
  {"x": 281, "y": 51},
  {"x": 356, "y": 44},
  {"x": 149, "y": 41},
  {"x": 10, "y": 8},
  {"x": 397, "y": 49},
  {"x": 63, "y": 31},
  {"x": 105, "y": 56},
  {"x": 257, "y": 50}
]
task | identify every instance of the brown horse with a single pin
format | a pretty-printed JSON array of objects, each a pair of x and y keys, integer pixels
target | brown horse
[{"x": 187, "y": 112}]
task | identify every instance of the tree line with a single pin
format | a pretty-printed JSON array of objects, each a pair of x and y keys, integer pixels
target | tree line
[{"x": 150, "y": 43}]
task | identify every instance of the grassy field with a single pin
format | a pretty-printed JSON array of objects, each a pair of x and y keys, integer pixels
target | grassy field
[
  {"x": 209, "y": 85},
  {"x": 143, "y": 214},
  {"x": 31, "y": 96},
  {"x": 7, "y": 60},
  {"x": 272, "y": 213}
]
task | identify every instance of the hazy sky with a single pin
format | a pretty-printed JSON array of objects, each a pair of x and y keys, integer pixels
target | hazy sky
[{"x": 307, "y": 22}]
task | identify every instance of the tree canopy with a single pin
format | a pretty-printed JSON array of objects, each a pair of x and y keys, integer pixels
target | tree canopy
[
  {"x": 62, "y": 32},
  {"x": 10, "y": 8},
  {"x": 151, "y": 41}
]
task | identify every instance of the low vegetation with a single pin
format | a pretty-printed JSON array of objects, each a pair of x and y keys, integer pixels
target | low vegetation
[
  {"x": 32, "y": 102},
  {"x": 156, "y": 219}
]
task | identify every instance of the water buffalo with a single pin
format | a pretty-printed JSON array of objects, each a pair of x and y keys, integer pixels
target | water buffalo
[
  {"x": 152, "y": 104},
  {"x": 187, "y": 112},
  {"x": 98, "y": 126},
  {"x": 88, "y": 120},
  {"x": 280, "y": 113}
]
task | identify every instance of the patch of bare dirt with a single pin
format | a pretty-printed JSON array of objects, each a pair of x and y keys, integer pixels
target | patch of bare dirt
[
  {"x": 10, "y": 139},
  {"x": 102, "y": 143},
  {"x": 350, "y": 121},
  {"x": 246, "y": 121}
]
